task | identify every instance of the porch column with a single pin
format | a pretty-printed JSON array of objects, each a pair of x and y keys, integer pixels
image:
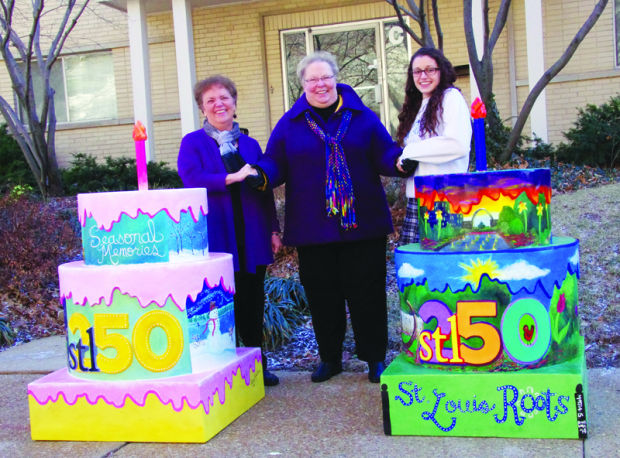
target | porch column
[
  {"x": 186, "y": 67},
  {"x": 536, "y": 65},
  {"x": 478, "y": 27},
  {"x": 140, "y": 71}
]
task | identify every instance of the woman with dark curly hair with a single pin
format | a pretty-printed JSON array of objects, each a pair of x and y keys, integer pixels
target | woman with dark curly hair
[{"x": 434, "y": 128}]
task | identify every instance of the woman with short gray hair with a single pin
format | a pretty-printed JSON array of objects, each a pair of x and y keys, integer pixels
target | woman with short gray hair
[
  {"x": 330, "y": 150},
  {"x": 318, "y": 56}
]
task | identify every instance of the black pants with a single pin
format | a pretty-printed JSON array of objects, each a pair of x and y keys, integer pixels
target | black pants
[
  {"x": 250, "y": 307},
  {"x": 354, "y": 272}
]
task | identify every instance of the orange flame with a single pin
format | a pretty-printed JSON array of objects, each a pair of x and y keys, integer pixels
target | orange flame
[
  {"x": 139, "y": 131},
  {"x": 478, "y": 110}
]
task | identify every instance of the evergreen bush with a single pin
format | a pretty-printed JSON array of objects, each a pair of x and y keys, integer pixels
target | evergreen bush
[
  {"x": 285, "y": 308},
  {"x": 496, "y": 137},
  {"x": 595, "y": 138},
  {"x": 13, "y": 167},
  {"x": 7, "y": 335},
  {"x": 114, "y": 174}
]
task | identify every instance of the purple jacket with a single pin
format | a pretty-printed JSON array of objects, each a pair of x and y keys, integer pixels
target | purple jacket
[
  {"x": 200, "y": 166},
  {"x": 296, "y": 156}
]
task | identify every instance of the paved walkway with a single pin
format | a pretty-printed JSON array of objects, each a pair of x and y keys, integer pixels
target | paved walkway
[{"x": 341, "y": 417}]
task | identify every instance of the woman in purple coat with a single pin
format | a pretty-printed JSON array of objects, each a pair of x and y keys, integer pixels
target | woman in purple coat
[
  {"x": 330, "y": 150},
  {"x": 241, "y": 217}
]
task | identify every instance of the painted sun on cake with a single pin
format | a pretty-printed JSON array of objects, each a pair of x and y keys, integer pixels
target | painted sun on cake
[{"x": 492, "y": 311}]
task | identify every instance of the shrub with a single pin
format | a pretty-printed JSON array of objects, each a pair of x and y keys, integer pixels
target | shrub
[
  {"x": 496, "y": 136},
  {"x": 13, "y": 167},
  {"x": 595, "y": 138},
  {"x": 114, "y": 174},
  {"x": 285, "y": 308},
  {"x": 395, "y": 191},
  {"x": 36, "y": 238},
  {"x": 7, "y": 335},
  {"x": 540, "y": 151}
]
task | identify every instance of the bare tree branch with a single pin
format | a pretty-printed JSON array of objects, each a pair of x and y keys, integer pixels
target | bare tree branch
[
  {"x": 437, "y": 24},
  {"x": 548, "y": 75},
  {"x": 485, "y": 26},
  {"x": 418, "y": 14},
  {"x": 58, "y": 44},
  {"x": 399, "y": 12},
  {"x": 414, "y": 10},
  {"x": 474, "y": 62},
  {"x": 35, "y": 129},
  {"x": 500, "y": 22}
]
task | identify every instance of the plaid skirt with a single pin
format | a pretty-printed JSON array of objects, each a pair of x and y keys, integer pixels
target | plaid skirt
[{"x": 409, "y": 232}]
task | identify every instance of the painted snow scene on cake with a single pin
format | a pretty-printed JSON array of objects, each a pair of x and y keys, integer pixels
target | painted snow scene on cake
[
  {"x": 484, "y": 211},
  {"x": 211, "y": 325},
  {"x": 500, "y": 310}
]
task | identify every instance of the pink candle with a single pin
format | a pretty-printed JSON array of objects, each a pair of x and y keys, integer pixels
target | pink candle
[{"x": 139, "y": 137}]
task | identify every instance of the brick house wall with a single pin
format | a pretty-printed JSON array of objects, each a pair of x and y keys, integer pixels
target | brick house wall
[{"x": 242, "y": 41}]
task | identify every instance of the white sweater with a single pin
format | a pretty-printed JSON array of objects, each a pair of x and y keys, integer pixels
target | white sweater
[{"x": 448, "y": 151}]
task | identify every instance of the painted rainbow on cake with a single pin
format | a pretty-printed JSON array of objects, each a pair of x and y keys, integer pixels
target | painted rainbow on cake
[{"x": 484, "y": 210}]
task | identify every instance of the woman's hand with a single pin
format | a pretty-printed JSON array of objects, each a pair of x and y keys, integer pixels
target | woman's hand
[
  {"x": 241, "y": 174},
  {"x": 276, "y": 243},
  {"x": 406, "y": 166}
]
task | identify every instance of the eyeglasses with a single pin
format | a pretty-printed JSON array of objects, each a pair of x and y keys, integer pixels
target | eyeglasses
[
  {"x": 430, "y": 71},
  {"x": 315, "y": 81}
]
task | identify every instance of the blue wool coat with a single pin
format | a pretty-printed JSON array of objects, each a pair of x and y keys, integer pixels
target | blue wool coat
[
  {"x": 200, "y": 166},
  {"x": 296, "y": 156}
]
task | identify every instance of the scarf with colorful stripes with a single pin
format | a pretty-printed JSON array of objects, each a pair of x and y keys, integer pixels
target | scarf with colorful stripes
[{"x": 338, "y": 187}]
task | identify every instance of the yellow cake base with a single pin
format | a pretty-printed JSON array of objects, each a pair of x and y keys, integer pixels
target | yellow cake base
[{"x": 149, "y": 419}]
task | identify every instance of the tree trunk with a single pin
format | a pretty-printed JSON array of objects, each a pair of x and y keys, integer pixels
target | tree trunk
[
  {"x": 35, "y": 135},
  {"x": 547, "y": 76}
]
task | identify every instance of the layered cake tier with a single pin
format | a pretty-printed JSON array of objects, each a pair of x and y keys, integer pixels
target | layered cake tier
[
  {"x": 490, "y": 310},
  {"x": 490, "y": 318},
  {"x": 484, "y": 211},
  {"x": 150, "y": 324},
  {"x": 149, "y": 301},
  {"x": 136, "y": 227},
  {"x": 147, "y": 321},
  {"x": 188, "y": 408}
]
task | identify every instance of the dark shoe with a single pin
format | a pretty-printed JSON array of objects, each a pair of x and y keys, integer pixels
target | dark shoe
[
  {"x": 374, "y": 371},
  {"x": 325, "y": 371},
  {"x": 270, "y": 378}
]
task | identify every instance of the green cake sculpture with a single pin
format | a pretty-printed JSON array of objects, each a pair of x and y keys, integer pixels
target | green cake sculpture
[{"x": 490, "y": 316}]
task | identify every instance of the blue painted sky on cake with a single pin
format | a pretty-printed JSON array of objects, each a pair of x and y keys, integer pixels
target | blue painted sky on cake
[{"x": 547, "y": 267}]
